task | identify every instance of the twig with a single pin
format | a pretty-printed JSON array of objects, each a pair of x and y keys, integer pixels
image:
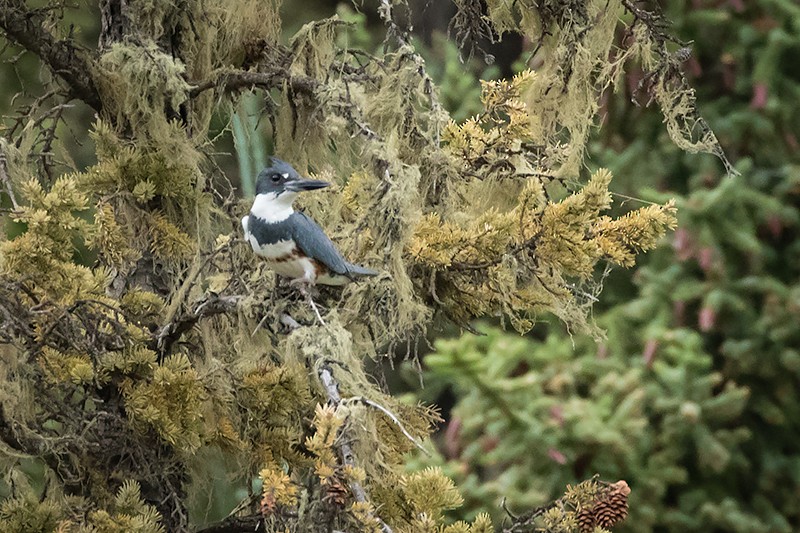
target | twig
[
  {"x": 6, "y": 179},
  {"x": 234, "y": 524},
  {"x": 173, "y": 330},
  {"x": 233, "y": 80},
  {"x": 392, "y": 417}
]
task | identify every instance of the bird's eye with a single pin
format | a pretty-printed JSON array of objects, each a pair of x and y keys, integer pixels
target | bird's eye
[{"x": 275, "y": 178}]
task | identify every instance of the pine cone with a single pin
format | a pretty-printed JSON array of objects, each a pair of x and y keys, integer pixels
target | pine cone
[
  {"x": 613, "y": 507},
  {"x": 586, "y": 521},
  {"x": 336, "y": 492},
  {"x": 268, "y": 504}
]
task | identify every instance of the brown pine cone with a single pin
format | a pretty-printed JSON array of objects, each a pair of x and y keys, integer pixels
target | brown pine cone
[
  {"x": 586, "y": 520},
  {"x": 268, "y": 504},
  {"x": 336, "y": 492},
  {"x": 612, "y": 508}
]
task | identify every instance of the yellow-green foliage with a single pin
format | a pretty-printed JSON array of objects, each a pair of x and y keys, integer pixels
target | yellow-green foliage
[
  {"x": 107, "y": 235},
  {"x": 146, "y": 190},
  {"x": 26, "y": 514},
  {"x": 499, "y": 132},
  {"x": 501, "y": 246},
  {"x": 43, "y": 254},
  {"x": 129, "y": 514},
  {"x": 59, "y": 367},
  {"x": 482, "y": 524},
  {"x": 430, "y": 493},
  {"x": 321, "y": 443},
  {"x": 519, "y": 261},
  {"x": 277, "y": 400},
  {"x": 277, "y": 487},
  {"x": 167, "y": 241},
  {"x": 170, "y": 401},
  {"x": 141, "y": 305}
]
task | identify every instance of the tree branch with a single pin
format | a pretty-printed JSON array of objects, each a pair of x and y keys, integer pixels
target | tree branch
[
  {"x": 233, "y": 524},
  {"x": 6, "y": 179},
  {"x": 240, "y": 79},
  {"x": 348, "y": 457},
  {"x": 173, "y": 330},
  {"x": 26, "y": 27}
]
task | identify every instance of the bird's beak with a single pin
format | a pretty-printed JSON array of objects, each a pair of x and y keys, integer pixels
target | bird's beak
[{"x": 306, "y": 185}]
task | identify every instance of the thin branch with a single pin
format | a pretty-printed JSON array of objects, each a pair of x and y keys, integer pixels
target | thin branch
[
  {"x": 242, "y": 79},
  {"x": 27, "y": 28},
  {"x": 6, "y": 179},
  {"x": 335, "y": 398},
  {"x": 233, "y": 524},
  {"x": 392, "y": 417},
  {"x": 173, "y": 330}
]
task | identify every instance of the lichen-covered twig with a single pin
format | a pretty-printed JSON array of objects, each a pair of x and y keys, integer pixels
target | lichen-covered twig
[
  {"x": 392, "y": 417},
  {"x": 233, "y": 80}
]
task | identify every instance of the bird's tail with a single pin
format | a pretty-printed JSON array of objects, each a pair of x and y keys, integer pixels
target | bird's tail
[{"x": 358, "y": 270}]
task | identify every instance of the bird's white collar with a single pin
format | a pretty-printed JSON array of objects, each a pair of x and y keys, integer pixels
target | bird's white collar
[{"x": 271, "y": 207}]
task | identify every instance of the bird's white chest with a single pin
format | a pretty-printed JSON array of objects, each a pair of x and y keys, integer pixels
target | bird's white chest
[{"x": 276, "y": 251}]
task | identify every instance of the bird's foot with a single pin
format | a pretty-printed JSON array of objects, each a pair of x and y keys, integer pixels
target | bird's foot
[{"x": 304, "y": 286}]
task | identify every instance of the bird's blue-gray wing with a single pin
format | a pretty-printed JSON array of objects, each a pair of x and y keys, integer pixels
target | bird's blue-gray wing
[{"x": 311, "y": 239}]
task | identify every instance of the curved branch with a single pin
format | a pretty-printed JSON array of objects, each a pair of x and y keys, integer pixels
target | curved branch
[{"x": 26, "y": 27}]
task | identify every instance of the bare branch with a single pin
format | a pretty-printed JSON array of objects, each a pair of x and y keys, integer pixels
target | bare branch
[{"x": 26, "y": 27}]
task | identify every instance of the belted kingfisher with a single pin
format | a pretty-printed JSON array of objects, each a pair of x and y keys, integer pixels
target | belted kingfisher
[{"x": 292, "y": 243}]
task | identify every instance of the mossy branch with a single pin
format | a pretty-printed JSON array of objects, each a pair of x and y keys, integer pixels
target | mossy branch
[{"x": 234, "y": 80}]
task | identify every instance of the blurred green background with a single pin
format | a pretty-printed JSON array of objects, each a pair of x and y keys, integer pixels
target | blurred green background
[{"x": 694, "y": 397}]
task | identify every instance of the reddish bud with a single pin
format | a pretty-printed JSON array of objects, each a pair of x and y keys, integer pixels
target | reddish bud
[
  {"x": 760, "y": 94},
  {"x": 705, "y": 257},
  {"x": 682, "y": 244},
  {"x": 775, "y": 225},
  {"x": 679, "y": 312},
  {"x": 649, "y": 353},
  {"x": 557, "y": 456},
  {"x": 707, "y": 319},
  {"x": 557, "y": 414},
  {"x": 452, "y": 438}
]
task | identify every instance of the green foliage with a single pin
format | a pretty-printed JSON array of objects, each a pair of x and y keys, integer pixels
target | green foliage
[{"x": 553, "y": 404}]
